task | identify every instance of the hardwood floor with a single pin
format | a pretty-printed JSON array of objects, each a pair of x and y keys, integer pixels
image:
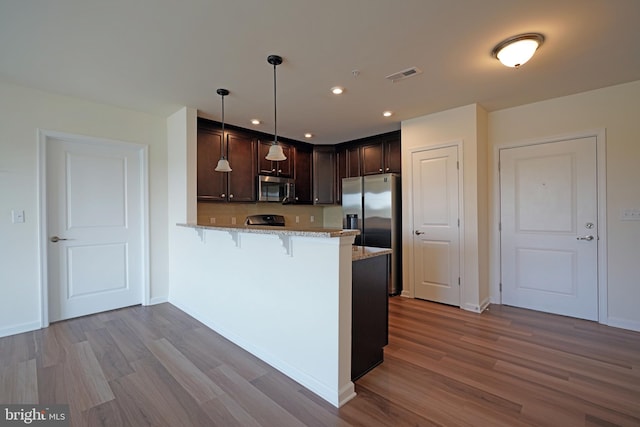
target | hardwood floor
[{"x": 157, "y": 366}]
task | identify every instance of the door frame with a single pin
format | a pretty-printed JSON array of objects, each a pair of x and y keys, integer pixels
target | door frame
[
  {"x": 409, "y": 263},
  {"x": 143, "y": 149},
  {"x": 601, "y": 198}
]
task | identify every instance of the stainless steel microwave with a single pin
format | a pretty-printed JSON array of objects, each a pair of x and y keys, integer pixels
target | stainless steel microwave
[{"x": 275, "y": 189}]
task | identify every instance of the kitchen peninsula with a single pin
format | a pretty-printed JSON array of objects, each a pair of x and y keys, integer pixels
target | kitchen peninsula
[{"x": 283, "y": 294}]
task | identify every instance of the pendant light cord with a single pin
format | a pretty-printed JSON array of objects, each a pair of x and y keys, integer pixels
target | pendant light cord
[
  {"x": 222, "y": 142},
  {"x": 275, "y": 107}
]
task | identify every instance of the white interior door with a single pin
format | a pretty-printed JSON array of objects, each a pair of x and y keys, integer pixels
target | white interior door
[
  {"x": 549, "y": 227},
  {"x": 95, "y": 227},
  {"x": 436, "y": 238}
]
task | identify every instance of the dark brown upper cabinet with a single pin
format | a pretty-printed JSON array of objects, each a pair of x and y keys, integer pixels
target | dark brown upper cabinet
[
  {"x": 240, "y": 148},
  {"x": 304, "y": 174},
  {"x": 212, "y": 185},
  {"x": 324, "y": 175},
  {"x": 284, "y": 168},
  {"x": 381, "y": 155},
  {"x": 392, "y": 154},
  {"x": 354, "y": 167}
]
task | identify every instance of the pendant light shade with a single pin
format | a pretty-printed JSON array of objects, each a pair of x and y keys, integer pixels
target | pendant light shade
[
  {"x": 223, "y": 163},
  {"x": 517, "y": 50},
  {"x": 275, "y": 151}
]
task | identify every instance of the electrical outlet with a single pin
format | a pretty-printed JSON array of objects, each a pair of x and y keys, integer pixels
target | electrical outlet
[
  {"x": 233, "y": 220},
  {"x": 297, "y": 219},
  {"x": 312, "y": 218},
  {"x": 212, "y": 220},
  {"x": 630, "y": 215}
]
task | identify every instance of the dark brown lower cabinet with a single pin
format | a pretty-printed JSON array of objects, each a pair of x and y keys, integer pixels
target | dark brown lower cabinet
[{"x": 370, "y": 313}]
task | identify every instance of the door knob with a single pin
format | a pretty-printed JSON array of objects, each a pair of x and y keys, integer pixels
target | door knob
[
  {"x": 419, "y": 232},
  {"x": 587, "y": 238},
  {"x": 55, "y": 239}
]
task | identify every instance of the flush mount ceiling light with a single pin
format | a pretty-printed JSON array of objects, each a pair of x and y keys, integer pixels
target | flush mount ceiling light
[
  {"x": 517, "y": 50},
  {"x": 223, "y": 163},
  {"x": 308, "y": 135},
  {"x": 275, "y": 151},
  {"x": 255, "y": 121},
  {"x": 387, "y": 113},
  {"x": 337, "y": 90}
]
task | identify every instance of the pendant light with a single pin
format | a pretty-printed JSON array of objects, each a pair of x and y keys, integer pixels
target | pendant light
[
  {"x": 223, "y": 163},
  {"x": 275, "y": 151}
]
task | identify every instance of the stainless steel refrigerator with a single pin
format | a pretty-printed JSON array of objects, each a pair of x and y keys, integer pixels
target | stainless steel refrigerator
[{"x": 372, "y": 205}]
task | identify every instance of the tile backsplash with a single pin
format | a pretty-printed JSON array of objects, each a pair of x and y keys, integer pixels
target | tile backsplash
[{"x": 295, "y": 215}]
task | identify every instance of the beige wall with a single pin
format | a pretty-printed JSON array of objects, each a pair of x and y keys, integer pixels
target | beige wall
[
  {"x": 615, "y": 109},
  {"x": 22, "y": 112},
  {"x": 466, "y": 125}
]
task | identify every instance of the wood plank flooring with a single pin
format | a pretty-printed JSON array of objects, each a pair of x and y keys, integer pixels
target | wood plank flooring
[{"x": 157, "y": 366}]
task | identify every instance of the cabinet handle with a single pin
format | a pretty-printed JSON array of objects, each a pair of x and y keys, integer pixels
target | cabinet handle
[
  {"x": 380, "y": 170},
  {"x": 296, "y": 199},
  {"x": 316, "y": 199},
  {"x": 279, "y": 170},
  {"x": 223, "y": 195},
  {"x": 387, "y": 169},
  {"x": 273, "y": 170},
  {"x": 231, "y": 196}
]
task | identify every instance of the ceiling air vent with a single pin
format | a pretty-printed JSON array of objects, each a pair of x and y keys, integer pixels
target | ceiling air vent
[{"x": 404, "y": 74}]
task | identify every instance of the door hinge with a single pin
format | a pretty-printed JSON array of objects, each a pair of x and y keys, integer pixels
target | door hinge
[
  {"x": 498, "y": 165},
  {"x": 458, "y": 222},
  {"x": 458, "y": 281},
  {"x": 457, "y": 165},
  {"x": 501, "y": 287},
  {"x": 499, "y": 226}
]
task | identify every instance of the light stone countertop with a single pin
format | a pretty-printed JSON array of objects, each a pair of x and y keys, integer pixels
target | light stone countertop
[
  {"x": 362, "y": 252},
  {"x": 283, "y": 231}
]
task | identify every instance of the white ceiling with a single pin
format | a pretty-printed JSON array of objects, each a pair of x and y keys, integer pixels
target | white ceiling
[{"x": 158, "y": 55}]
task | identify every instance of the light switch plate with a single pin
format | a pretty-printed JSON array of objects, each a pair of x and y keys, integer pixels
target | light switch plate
[
  {"x": 17, "y": 216},
  {"x": 630, "y": 215}
]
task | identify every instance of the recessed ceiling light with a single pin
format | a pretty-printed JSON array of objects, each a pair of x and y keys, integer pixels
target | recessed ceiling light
[
  {"x": 308, "y": 135},
  {"x": 255, "y": 121},
  {"x": 387, "y": 113},
  {"x": 337, "y": 90}
]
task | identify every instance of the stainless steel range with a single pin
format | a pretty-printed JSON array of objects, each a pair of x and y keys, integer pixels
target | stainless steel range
[{"x": 270, "y": 220}]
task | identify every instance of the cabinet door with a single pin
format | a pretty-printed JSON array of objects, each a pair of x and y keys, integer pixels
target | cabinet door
[
  {"x": 303, "y": 175},
  {"x": 392, "y": 155},
  {"x": 372, "y": 158},
  {"x": 242, "y": 157},
  {"x": 324, "y": 163},
  {"x": 353, "y": 162},
  {"x": 283, "y": 168},
  {"x": 341, "y": 172},
  {"x": 212, "y": 185}
]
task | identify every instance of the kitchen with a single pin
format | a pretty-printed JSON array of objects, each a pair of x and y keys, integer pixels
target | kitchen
[
  {"x": 29, "y": 104},
  {"x": 225, "y": 213}
]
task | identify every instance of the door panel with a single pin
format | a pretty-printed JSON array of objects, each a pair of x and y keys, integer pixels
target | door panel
[
  {"x": 94, "y": 206},
  {"x": 435, "y": 217},
  {"x": 548, "y": 204}
]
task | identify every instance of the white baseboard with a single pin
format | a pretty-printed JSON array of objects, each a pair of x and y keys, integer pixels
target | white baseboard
[
  {"x": 477, "y": 308},
  {"x": 335, "y": 397},
  {"x": 158, "y": 300},
  {"x": 616, "y": 322},
  {"x": 18, "y": 329}
]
